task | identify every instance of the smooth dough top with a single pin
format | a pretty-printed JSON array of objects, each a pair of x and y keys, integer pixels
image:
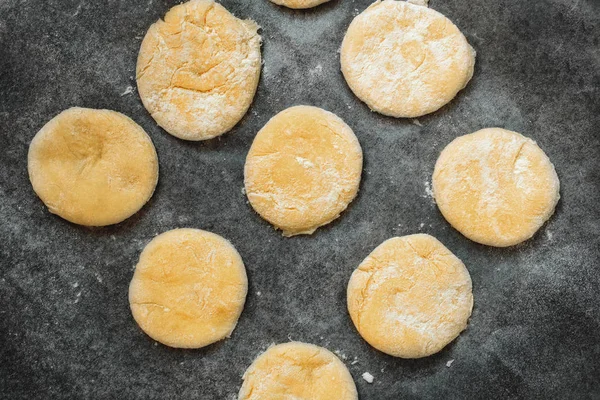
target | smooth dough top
[
  {"x": 410, "y": 297},
  {"x": 198, "y": 70},
  {"x": 495, "y": 186},
  {"x": 93, "y": 167},
  {"x": 188, "y": 289},
  {"x": 297, "y": 371},
  {"x": 303, "y": 169},
  {"x": 299, "y": 3},
  {"x": 405, "y": 60}
]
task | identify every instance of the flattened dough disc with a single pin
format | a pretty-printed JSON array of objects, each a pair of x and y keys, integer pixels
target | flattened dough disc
[
  {"x": 405, "y": 60},
  {"x": 410, "y": 297},
  {"x": 198, "y": 70},
  {"x": 299, "y": 3},
  {"x": 93, "y": 167},
  {"x": 298, "y": 371},
  {"x": 495, "y": 186},
  {"x": 303, "y": 169},
  {"x": 188, "y": 289}
]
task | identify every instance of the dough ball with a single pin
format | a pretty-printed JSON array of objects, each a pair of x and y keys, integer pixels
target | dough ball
[
  {"x": 188, "y": 289},
  {"x": 298, "y": 371},
  {"x": 198, "y": 70},
  {"x": 495, "y": 186},
  {"x": 405, "y": 60},
  {"x": 410, "y": 297},
  {"x": 303, "y": 169},
  {"x": 299, "y": 3},
  {"x": 93, "y": 167}
]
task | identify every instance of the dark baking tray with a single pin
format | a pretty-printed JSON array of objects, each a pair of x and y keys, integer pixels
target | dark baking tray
[{"x": 65, "y": 326}]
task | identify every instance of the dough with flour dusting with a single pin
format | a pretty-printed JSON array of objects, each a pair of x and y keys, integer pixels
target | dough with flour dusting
[
  {"x": 495, "y": 186},
  {"x": 303, "y": 169},
  {"x": 405, "y": 60},
  {"x": 410, "y": 297},
  {"x": 198, "y": 70},
  {"x": 298, "y": 371},
  {"x": 93, "y": 167},
  {"x": 299, "y": 3},
  {"x": 188, "y": 289}
]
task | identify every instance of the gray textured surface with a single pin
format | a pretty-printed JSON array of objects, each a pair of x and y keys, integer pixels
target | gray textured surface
[{"x": 65, "y": 326}]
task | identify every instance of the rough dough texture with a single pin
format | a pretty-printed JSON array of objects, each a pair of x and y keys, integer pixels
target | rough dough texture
[
  {"x": 299, "y": 3},
  {"x": 410, "y": 297},
  {"x": 93, "y": 167},
  {"x": 188, "y": 289},
  {"x": 495, "y": 186},
  {"x": 303, "y": 169},
  {"x": 297, "y": 371},
  {"x": 198, "y": 70},
  {"x": 405, "y": 60}
]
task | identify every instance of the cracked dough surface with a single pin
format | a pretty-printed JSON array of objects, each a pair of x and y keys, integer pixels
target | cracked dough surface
[
  {"x": 198, "y": 70},
  {"x": 188, "y": 289},
  {"x": 298, "y": 371},
  {"x": 495, "y": 186},
  {"x": 299, "y": 3},
  {"x": 303, "y": 169},
  {"x": 93, "y": 167},
  {"x": 405, "y": 60},
  {"x": 410, "y": 297}
]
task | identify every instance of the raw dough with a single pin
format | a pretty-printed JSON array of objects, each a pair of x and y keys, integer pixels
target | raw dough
[
  {"x": 298, "y": 371},
  {"x": 299, "y": 3},
  {"x": 188, "y": 289},
  {"x": 93, "y": 167},
  {"x": 410, "y": 297},
  {"x": 495, "y": 186},
  {"x": 197, "y": 71},
  {"x": 303, "y": 169},
  {"x": 405, "y": 60}
]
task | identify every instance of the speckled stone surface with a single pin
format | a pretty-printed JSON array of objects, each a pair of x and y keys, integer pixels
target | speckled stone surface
[{"x": 66, "y": 331}]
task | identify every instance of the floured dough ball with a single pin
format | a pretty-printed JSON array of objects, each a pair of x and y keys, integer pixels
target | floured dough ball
[
  {"x": 410, "y": 297},
  {"x": 405, "y": 60},
  {"x": 299, "y": 3},
  {"x": 303, "y": 169},
  {"x": 188, "y": 289},
  {"x": 198, "y": 70},
  {"x": 495, "y": 186},
  {"x": 93, "y": 167},
  {"x": 298, "y": 371}
]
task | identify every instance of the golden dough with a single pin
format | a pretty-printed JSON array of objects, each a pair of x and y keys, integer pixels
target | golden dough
[
  {"x": 303, "y": 169},
  {"x": 188, "y": 289},
  {"x": 297, "y": 371},
  {"x": 405, "y": 60},
  {"x": 410, "y": 297},
  {"x": 198, "y": 70},
  {"x": 93, "y": 167},
  {"x": 495, "y": 186},
  {"x": 299, "y": 3}
]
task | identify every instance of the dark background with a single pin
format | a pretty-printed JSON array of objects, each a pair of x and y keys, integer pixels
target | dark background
[{"x": 65, "y": 326}]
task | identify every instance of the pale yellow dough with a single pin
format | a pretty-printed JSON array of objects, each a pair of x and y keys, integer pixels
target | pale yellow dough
[
  {"x": 188, "y": 289},
  {"x": 495, "y": 186},
  {"x": 297, "y": 371},
  {"x": 198, "y": 70},
  {"x": 299, "y": 3},
  {"x": 303, "y": 169},
  {"x": 93, "y": 167},
  {"x": 410, "y": 297},
  {"x": 405, "y": 60}
]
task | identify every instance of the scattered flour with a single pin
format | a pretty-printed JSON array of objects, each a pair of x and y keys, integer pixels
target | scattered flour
[
  {"x": 428, "y": 190},
  {"x": 368, "y": 377},
  {"x": 128, "y": 90}
]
